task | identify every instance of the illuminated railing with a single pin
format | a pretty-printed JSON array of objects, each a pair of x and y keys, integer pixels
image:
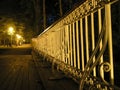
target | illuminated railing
[{"x": 80, "y": 44}]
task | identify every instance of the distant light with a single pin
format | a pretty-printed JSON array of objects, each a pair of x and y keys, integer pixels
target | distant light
[
  {"x": 11, "y": 31},
  {"x": 18, "y": 36}
]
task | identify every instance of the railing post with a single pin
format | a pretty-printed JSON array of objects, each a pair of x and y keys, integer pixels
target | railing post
[{"x": 109, "y": 29}]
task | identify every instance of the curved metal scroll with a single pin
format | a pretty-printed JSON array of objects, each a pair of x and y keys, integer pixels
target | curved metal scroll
[
  {"x": 88, "y": 67},
  {"x": 106, "y": 67}
]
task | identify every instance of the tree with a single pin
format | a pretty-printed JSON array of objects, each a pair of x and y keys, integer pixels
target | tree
[
  {"x": 60, "y": 6},
  {"x": 37, "y": 14},
  {"x": 44, "y": 15}
]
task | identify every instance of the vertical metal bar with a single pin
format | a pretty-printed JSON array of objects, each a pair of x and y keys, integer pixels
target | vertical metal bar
[
  {"x": 67, "y": 45},
  {"x": 93, "y": 39},
  {"x": 78, "y": 46},
  {"x": 100, "y": 27},
  {"x": 109, "y": 28},
  {"x": 50, "y": 36},
  {"x": 82, "y": 44},
  {"x": 62, "y": 49},
  {"x": 59, "y": 44},
  {"x": 68, "y": 31},
  {"x": 49, "y": 43},
  {"x": 63, "y": 46},
  {"x": 74, "y": 48},
  {"x": 56, "y": 44},
  {"x": 86, "y": 38},
  {"x": 52, "y": 44},
  {"x": 71, "y": 45},
  {"x": 53, "y": 41}
]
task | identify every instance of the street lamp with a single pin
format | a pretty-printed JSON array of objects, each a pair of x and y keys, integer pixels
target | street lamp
[{"x": 11, "y": 32}]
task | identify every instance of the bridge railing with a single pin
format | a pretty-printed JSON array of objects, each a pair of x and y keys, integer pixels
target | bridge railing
[{"x": 80, "y": 44}]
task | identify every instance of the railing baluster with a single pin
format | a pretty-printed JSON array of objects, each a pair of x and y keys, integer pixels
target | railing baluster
[
  {"x": 63, "y": 44},
  {"x": 82, "y": 45},
  {"x": 64, "y": 38},
  {"x": 78, "y": 46},
  {"x": 86, "y": 38},
  {"x": 69, "y": 34},
  {"x": 74, "y": 48},
  {"x": 71, "y": 45},
  {"x": 93, "y": 39},
  {"x": 56, "y": 44},
  {"x": 68, "y": 43},
  {"x": 100, "y": 27},
  {"x": 52, "y": 48},
  {"x": 59, "y": 47}
]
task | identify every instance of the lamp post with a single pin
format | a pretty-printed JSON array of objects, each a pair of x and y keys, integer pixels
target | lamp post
[{"x": 11, "y": 32}]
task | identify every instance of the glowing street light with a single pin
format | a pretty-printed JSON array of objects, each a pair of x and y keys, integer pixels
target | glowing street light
[{"x": 11, "y": 32}]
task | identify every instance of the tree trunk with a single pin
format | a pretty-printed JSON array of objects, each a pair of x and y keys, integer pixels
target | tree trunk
[
  {"x": 60, "y": 6},
  {"x": 37, "y": 14},
  {"x": 44, "y": 15}
]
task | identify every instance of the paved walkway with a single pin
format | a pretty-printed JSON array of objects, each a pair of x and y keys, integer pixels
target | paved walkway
[{"x": 19, "y": 71}]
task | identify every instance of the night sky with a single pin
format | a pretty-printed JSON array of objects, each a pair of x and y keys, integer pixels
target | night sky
[{"x": 7, "y": 6}]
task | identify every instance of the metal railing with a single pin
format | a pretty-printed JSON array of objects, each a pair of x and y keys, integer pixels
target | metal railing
[{"x": 80, "y": 44}]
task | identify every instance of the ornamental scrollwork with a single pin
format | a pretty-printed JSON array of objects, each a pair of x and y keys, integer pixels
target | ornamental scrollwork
[
  {"x": 84, "y": 9},
  {"x": 106, "y": 67}
]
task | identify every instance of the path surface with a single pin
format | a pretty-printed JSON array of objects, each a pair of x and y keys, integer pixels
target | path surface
[{"x": 18, "y": 71}]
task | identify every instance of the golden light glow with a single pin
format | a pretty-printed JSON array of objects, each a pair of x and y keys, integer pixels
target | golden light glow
[
  {"x": 11, "y": 31},
  {"x": 18, "y": 36}
]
